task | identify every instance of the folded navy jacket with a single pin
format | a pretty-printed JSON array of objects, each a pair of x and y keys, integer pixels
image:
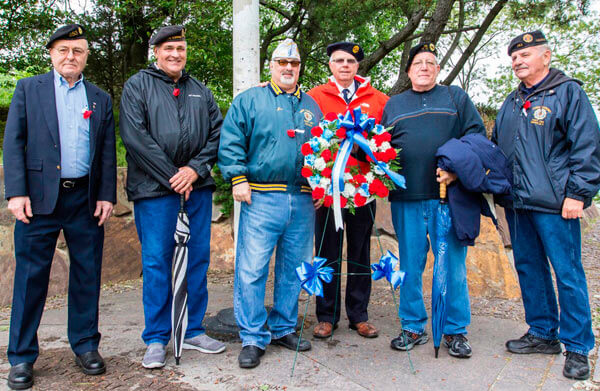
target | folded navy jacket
[{"x": 480, "y": 167}]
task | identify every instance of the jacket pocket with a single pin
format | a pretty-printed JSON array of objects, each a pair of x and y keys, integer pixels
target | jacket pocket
[{"x": 35, "y": 179}]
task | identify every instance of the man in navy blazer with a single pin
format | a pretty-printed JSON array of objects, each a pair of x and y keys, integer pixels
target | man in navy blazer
[{"x": 60, "y": 173}]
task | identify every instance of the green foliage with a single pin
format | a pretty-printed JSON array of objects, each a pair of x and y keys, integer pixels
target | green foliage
[{"x": 223, "y": 194}]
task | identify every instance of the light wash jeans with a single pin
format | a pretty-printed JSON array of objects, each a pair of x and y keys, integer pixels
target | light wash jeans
[
  {"x": 413, "y": 221},
  {"x": 536, "y": 238},
  {"x": 284, "y": 220}
]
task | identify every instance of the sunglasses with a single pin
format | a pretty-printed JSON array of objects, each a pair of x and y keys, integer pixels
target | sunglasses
[
  {"x": 340, "y": 61},
  {"x": 284, "y": 63}
]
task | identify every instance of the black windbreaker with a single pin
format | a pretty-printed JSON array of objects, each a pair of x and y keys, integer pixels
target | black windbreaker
[
  {"x": 162, "y": 131},
  {"x": 553, "y": 147}
]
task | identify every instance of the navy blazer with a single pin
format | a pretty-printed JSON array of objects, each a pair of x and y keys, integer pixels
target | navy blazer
[{"x": 32, "y": 145}]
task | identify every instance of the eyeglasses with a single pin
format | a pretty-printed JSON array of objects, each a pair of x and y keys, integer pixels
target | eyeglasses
[
  {"x": 284, "y": 63},
  {"x": 340, "y": 61},
  {"x": 64, "y": 51},
  {"x": 425, "y": 64}
]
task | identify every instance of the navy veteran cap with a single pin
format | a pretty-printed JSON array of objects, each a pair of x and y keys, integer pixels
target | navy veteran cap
[
  {"x": 348, "y": 47},
  {"x": 532, "y": 38},
  {"x": 422, "y": 47},
  {"x": 168, "y": 34},
  {"x": 69, "y": 32}
]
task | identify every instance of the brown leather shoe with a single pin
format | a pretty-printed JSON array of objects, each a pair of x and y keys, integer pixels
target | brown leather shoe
[
  {"x": 365, "y": 329},
  {"x": 324, "y": 330}
]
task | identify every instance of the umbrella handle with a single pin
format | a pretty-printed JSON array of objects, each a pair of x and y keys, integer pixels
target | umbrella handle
[
  {"x": 181, "y": 202},
  {"x": 443, "y": 192}
]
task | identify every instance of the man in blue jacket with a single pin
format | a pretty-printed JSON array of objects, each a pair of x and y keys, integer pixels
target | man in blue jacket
[
  {"x": 260, "y": 153},
  {"x": 548, "y": 131},
  {"x": 60, "y": 174}
]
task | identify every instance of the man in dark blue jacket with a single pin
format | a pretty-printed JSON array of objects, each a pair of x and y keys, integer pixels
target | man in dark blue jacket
[
  {"x": 548, "y": 131},
  {"x": 60, "y": 173}
]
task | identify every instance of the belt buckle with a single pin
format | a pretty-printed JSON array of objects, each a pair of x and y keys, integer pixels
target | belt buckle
[{"x": 68, "y": 184}]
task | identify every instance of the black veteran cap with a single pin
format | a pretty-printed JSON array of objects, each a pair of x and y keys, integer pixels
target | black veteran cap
[
  {"x": 533, "y": 38},
  {"x": 348, "y": 47},
  {"x": 168, "y": 34},
  {"x": 70, "y": 32},
  {"x": 422, "y": 47}
]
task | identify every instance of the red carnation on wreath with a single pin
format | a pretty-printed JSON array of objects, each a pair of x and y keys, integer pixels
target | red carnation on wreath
[
  {"x": 328, "y": 201},
  {"x": 359, "y": 200},
  {"x": 306, "y": 172},
  {"x": 326, "y": 155},
  {"x": 326, "y": 172},
  {"x": 316, "y": 131},
  {"x": 341, "y": 132},
  {"x": 318, "y": 193},
  {"x": 306, "y": 149}
]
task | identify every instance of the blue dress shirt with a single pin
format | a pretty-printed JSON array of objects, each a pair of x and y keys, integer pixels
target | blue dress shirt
[{"x": 74, "y": 130}]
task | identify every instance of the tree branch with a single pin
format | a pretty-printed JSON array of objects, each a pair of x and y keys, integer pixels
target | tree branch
[
  {"x": 456, "y": 40},
  {"x": 476, "y": 39},
  {"x": 396, "y": 40}
]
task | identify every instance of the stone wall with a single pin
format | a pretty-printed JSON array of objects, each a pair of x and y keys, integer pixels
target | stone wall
[{"x": 490, "y": 272}]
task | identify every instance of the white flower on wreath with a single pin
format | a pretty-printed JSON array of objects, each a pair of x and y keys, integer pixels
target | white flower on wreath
[
  {"x": 384, "y": 146},
  {"x": 378, "y": 171},
  {"x": 347, "y": 176},
  {"x": 363, "y": 190},
  {"x": 320, "y": 164},
  {"x": 378, "y": 129},
  {"x": 324, "y": 143},
  {"x": 349, "y": 190},
  {"x": 325, "y": 182},
  {"x": 372, "y": 145},
  {"x": 369, "y": 177},
  {"x": 314, "y": 180}
]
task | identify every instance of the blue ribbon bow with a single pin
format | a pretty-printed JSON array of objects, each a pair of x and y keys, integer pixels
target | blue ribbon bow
[
  {"x": 355, "y": 126},
  {"x": 385, "y": 268},
  {"x": 310, "y": 276}
]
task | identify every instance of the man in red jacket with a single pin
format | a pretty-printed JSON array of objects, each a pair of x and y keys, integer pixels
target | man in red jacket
[{"x": 346, "y": 91}]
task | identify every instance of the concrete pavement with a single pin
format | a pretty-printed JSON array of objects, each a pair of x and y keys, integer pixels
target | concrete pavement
[{"x": 347, "y": 362}]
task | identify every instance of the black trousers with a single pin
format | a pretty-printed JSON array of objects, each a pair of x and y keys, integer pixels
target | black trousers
[
  {"x": 34, "y": 249},
  {"x": 358, "y": 230}
]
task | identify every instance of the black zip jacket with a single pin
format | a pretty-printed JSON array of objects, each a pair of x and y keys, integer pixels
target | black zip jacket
[
  {"x": 553, "y": 147},
  {"x": 162, "y": 131}
]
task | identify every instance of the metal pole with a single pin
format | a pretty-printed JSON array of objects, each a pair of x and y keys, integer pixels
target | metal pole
[{"x": 246, "y": 57}]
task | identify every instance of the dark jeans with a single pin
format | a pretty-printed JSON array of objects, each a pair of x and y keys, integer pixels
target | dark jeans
[
  {"x": 358, "y": 230},
  {"x": 536, "y": 238},
  {"x": 34, "y": 249}
]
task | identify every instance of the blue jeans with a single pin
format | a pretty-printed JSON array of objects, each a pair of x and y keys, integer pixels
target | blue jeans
[
  {"x": 537, "y": 237},
  {"x": 155, "y": 220},
  {"x": 413, "y": 221},
  {"x": 273, "y": 219}
]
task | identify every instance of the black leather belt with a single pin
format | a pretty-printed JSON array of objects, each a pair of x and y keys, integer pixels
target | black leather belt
[{"x": 74, "y": 183}]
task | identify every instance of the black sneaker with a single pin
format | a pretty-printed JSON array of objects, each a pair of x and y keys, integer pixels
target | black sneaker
[
  {"x": 407, "y": 340},
  {"x": 531, "y": 344},
  {"x": 576, "y": 366},
  {"x": 458, "y": 346}
]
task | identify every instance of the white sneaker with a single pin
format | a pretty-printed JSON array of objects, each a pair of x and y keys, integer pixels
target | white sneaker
[
  {"x": 156, "y": 356},
  {"x": 204, "y": 344}
]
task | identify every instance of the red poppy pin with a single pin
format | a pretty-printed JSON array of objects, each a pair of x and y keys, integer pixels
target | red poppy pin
[
  {"x": 526, "y": 105},
  {"x": 291, "y": 133},
  {"x": 86, "y": 113},
  {"x": 176, "y": 92}
]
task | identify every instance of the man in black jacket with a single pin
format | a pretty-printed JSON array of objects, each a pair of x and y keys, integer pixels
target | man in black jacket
[
  {"x": 60, "y": 174},
  {"x": 548, "y": 131},
  {"x": 170, "y": 125}
]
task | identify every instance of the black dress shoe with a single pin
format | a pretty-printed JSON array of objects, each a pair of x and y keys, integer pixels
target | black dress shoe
[
  {"x": 91, "y": 363},
  {"x": 250, "y": 356},
  {"x": 532, "y": 344},
  {"x": 290, "y": 341},
  {"x": 21, "y": 376},
  {"x": 576, "y": 366}
]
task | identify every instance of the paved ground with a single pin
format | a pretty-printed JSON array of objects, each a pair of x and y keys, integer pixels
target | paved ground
[{"x": 347, "y": 362}]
